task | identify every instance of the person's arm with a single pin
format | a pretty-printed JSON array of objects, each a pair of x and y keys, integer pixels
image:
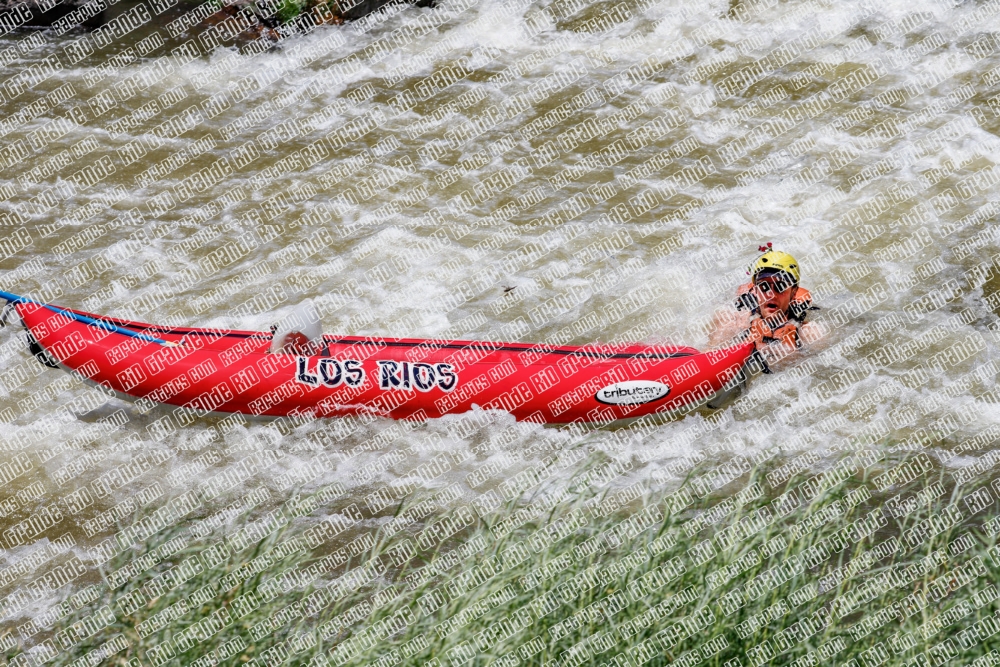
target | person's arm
[
  {"x": 727, "y": 324},
  {"x": 758, "y": 332},
  {"x": 720, "y": 326},
  {"x": 788, "y": 334}
]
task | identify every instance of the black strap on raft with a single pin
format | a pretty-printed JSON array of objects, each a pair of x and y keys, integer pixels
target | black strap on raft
[
  {"x": 36, "y": 350},
  {"x": 759, "y": 358},
  {"x": 44, "y": 358}
]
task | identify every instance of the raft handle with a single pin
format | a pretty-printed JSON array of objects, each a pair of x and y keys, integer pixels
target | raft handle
[{"x": 8, "y": 308}]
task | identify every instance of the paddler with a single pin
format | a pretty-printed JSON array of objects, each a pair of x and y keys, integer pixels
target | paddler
[{"x": 771, "y": 308}]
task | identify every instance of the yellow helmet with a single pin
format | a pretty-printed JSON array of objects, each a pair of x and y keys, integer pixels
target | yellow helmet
[{"x": 778, "y": 261}]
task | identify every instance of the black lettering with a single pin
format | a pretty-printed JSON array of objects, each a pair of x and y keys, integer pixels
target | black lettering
[
  {"x": 424, "y": 377},
  {"x": 330, "y": 372},
  {"x": 388, "y": 378},
  {"x": 355, "y": 374},
  {"x": 303, "y": 374},
  {"x": 447, "y": 379}
]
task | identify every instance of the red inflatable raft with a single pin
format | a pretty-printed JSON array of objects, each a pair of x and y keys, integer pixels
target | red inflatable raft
[{"x": 216, "y": 370}]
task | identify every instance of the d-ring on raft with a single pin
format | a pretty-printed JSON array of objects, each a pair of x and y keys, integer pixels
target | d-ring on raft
[{"x": 228, "y": 371}]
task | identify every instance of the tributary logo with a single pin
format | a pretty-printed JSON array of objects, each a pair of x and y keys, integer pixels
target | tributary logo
[{"x": 632, "y": 392}]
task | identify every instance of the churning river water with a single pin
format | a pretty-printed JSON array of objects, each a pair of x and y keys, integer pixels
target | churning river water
[{"x": 617, "y": 164}]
